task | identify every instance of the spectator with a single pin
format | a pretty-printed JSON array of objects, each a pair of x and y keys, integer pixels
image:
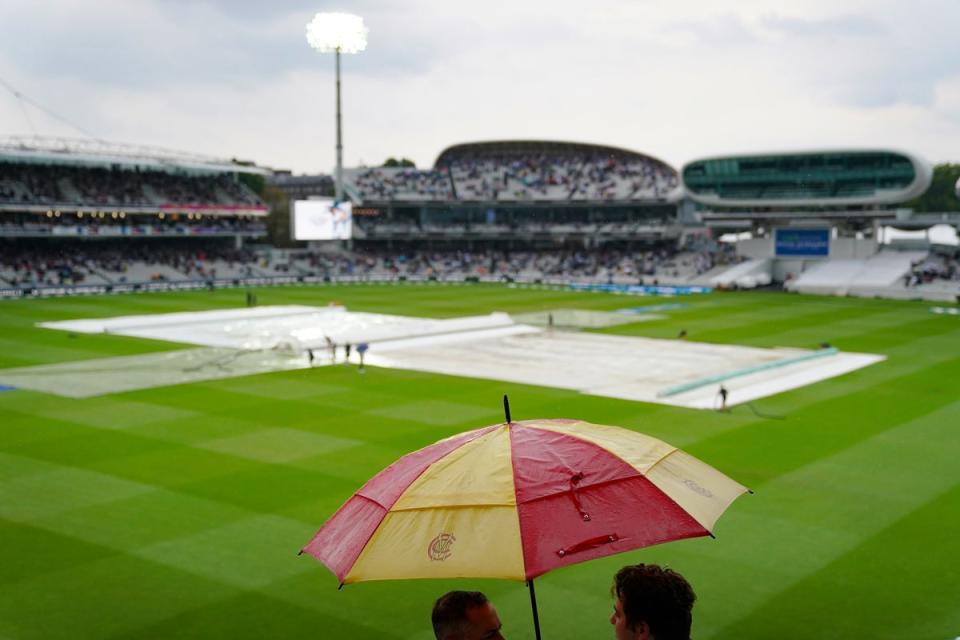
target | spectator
[
  {"x": 651, "y": 603},
  {"x": 70, "y": 185},
  {"x": 465, "y": 615}
]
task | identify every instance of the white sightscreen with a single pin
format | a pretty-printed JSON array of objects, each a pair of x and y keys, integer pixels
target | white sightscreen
[{"x": 322, "y": 220}]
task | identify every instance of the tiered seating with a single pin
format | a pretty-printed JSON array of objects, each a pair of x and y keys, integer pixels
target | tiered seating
[
  {"x": 829, "y": 276},
  {"x": 72, "y": 185},
  {"x": 560, "y": 177},
  {"x": 521, "y": 172},
  {"x": 390, "y": 183},
  {"x": 746, "y": 275},
  {"x": 887, "y": 269}
]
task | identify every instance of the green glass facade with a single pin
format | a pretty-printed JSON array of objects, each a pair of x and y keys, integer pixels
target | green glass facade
[{"x": 810, "y": 176}]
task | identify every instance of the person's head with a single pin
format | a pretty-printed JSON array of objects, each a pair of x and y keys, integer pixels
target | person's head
[
  {"x": 651, "y": 602},
  {"x": 465, "y": 615}
]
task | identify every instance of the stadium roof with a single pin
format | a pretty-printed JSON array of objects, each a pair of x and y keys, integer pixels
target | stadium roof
[
  {"x": 92, "y": 152},
  {"x": 508, "y": 147},
  {"x": 819, "y": 178}
]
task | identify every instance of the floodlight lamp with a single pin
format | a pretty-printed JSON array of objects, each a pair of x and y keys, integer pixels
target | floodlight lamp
[{"x": 343, "y": 32}]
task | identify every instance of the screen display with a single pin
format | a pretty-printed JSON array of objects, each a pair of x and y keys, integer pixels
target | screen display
[
  {"x": 322, "y": 220},
  {"x": 802, "y": 243}
]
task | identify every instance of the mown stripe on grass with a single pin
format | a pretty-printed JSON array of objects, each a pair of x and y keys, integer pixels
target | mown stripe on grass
[
  {"x": 869, "y": 592},
  {"x": 802, "y": 521},
  {"x": 71, "y": 603},
  {"x": 760, "y": 451}
]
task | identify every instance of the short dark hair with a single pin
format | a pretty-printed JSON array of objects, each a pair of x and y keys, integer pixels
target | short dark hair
[
  {"x": 450, "y": 611},
  {"x": 658, "y": 596}
]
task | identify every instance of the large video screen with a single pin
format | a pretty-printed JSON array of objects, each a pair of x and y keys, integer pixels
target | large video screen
[
  {"x": 322, "y": 220},
  {"x": 802, "y": 243}
]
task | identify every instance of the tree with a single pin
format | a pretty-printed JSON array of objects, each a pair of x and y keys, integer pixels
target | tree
[
  {"x": 402, "y": 162},
  {"x": 256, "y": 182},
  {"x": 278, "y": 219},
  {"x": 941, "y": 196}
]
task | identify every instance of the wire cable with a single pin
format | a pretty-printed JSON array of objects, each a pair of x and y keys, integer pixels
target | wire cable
[{"x": 36, "y": 105}]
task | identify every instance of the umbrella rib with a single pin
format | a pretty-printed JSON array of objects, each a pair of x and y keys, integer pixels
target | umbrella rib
[
  {"x": 662, "y": 458},
  {"x": 610, "y": 451},
  {"x": 582, "y": 488},
  {"x": 455, "y": 506}
]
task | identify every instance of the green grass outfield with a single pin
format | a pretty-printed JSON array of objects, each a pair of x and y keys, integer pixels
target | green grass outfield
[{"x": 178, "y": 512}]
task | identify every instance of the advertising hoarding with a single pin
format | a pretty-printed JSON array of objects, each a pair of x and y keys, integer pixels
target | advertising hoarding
[{"x": 802, "y": 243}]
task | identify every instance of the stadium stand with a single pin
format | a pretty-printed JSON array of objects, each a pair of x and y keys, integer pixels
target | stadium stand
[
  {"x": 507, "y": 210},
  {"x": 520, "y": 171},
  {"x": 745, "y": 275},
  {"x": 122, "y": 262},
  {"x": 81, "y": 212},
  {"x": 660, "y": 266},
  {"x": 883, "y": 270},
  {"x": 66, "y": 186},
  {"x": 387, "y": 184},
  {"x": 112, "y": 262}
]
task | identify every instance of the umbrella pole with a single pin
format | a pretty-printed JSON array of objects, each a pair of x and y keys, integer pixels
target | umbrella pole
[{"x": 533, "y": 605}]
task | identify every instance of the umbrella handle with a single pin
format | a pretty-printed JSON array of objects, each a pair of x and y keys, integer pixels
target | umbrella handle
[{"x": 533, "y": 605}]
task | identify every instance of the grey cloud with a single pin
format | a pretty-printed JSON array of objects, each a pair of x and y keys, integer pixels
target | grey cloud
[
  {"x": 861, "y": 61},
  {"x": 180, "y": 43},
  {"x": 259, "y": 10},
  {"x": 838, "y": 26},
  {"x": 717, "y": 31}
]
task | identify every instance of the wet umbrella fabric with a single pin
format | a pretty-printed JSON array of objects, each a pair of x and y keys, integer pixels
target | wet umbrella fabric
[{"x": 517, "y": 500}]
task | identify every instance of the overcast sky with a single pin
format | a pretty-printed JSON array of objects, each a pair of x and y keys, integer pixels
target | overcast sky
[{"x": 678, "y": 80}]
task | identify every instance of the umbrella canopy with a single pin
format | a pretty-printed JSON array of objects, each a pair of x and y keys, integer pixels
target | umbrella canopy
[{"x": 517, "y": 500}]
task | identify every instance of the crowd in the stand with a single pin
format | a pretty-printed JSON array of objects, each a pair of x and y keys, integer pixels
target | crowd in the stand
[
  {"x": 402, "y": 184},
  {"x": 63, "y": 185},
  {"x": 383, "y": 228},
  {"x": 522, "y": 176},
  {"x": 559, "y": 176},
  {"x": 60, "y": 262},
  {"x": 69, "y": 224},
  {"x": 41, "y": 264},
  {"x": 76, "y": 263},
  {"x": 600, "y": 265},
  {"x": 932, "y": 269}
]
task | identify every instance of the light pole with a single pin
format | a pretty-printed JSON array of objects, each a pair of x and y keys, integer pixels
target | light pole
[{"x": 340, "y": 33}]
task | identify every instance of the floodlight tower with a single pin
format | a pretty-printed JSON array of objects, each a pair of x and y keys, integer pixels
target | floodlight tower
[{"x": 340, "y": 33}]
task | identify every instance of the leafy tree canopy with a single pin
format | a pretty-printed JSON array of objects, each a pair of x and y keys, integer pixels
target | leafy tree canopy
[
  {"x": 402, "y": 162},
  {"x": 941, "y": 196}
]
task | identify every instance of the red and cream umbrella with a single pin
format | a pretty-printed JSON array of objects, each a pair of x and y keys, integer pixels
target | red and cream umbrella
[{"x": 518, "y": 499}]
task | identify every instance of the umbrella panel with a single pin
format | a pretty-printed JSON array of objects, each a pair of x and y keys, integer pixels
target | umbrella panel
[
  {"x": 624, "y": 515},
  {"x": 517, "y": 500}
]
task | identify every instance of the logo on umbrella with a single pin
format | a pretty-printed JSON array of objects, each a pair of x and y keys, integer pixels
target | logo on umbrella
[
  {"x": 696, "y": 488},
  {"x": 440, "y": 547}
]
